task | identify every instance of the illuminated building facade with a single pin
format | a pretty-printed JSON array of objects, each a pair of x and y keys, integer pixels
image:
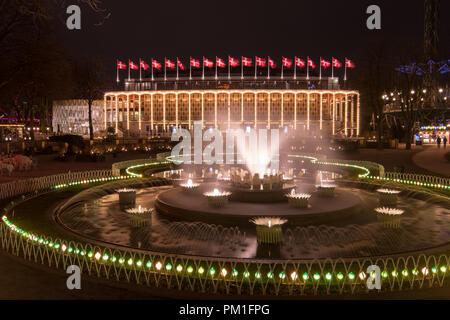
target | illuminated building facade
[{"x": 146, "y": 107}]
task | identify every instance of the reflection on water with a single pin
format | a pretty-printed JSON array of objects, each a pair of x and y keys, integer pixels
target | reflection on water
[{"x": 423, "y": 225}]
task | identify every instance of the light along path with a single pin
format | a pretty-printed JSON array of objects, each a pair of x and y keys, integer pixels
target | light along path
[{"x": 433, "y": 159}]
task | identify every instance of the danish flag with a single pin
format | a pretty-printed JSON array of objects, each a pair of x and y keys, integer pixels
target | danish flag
[
  {"x": 299, "y": 62},
  {"x": 311, "y": 63},
  {"x": 287, "y": 62},
  {"x": 121, "y": 65},
  {"x": 170, "y": 64},
  {"x": 180, "y": 65},
  {"x": 349, "y": 63},
  {"x": 195, "y": 63},
  {"x": 337, "y": 63},
  {"x": 220, "y": 63},
  {"x": 156, "y": 64},
  {"x": 324, "y": 63},
  {"x": 207, "y": 63},
  {"x": 144, "y": 65},
  {"x": 132, "y": 65},
  {"x": 272, "y": 63},
  {"x": 233, "y": 62},
  {"x": 260, "y": 62},
  {"x": 246, "y": 62}
]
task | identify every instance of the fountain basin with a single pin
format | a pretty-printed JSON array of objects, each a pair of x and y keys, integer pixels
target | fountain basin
[
  {"x": 300, "y": 200},
  {"x": 388, "y": 197},
  {"x": 127, "y": 196},
  {"x": 268, "y": 230},
  {"x": 326, "y": 190}
]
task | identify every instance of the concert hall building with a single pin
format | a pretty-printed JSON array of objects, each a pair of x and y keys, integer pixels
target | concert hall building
[{"x": 147, "y": 107}]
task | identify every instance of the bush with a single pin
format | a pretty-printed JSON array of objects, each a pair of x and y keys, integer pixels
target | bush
[{"x": 74, "y": 142}]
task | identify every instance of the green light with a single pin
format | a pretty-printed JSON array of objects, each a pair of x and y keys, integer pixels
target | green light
[
  {"x": 384, "y": 274},
  {"x": 305, "y": 276},
  {"x": 139, "y": 263},
  {"x": 415, "y": 271},
  {"x": 246, "y": 274},
  {"x": 257, "y": 275},
  {"x": 235, "y": 273},
  {"x": 270, "y": 275},
  {"x": 130, "y": 262},
  {"x": 190, "y": 269},
  {"x": 434, "y": 269},
  {"x": 179, "y": 268},
  {"x": 168, "y": 267},
  {"x": 444, "y": 269},
  {"x": 105, "y": 257},
  {"x": 83, "y": 252},
  {"x": 405, "y": 273},
  {"x": 113, "y": 259},
  {"x": 316, "y": 276},
  {"x": 212, "y": 271},
  {"x": 200, "y": 270},
  {"x": 351, "y": 275},
  {"x": 149, "y": 264},
  {"x": 121, "y": 260},
  {"x": 70, "y": 250},
  {"x": 394, "y": 273},
  {"x": 57, "y": 246},
  {"x": 328, "y": 276},
  {"x": 90, "y": 254},
  {"x": 340, "y": 276}
]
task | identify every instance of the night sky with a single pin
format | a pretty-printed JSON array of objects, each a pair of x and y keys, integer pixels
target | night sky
[{"x": 158, "y": 28}]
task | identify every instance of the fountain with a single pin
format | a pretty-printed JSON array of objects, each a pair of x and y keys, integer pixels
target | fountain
[
  {"x": 140, "y": 216},
  {"x": 127, "y": 196},
  {"x": 268, "y": 230},
  {"x": 298, "y": 200},
  {"x": 190, "y": 186},
  {"x": 389, "y": 217},
  {"x": 217, "y": 198},
  {"x": 388, "y": 197},
  {"x": 325, "y": 188}
]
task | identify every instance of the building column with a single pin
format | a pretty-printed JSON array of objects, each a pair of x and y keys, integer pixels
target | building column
[
  {"x": 203, "y": 109},
  {"x": 345, "y": 115},
  {"x": 242, "y": 108},
  {"x": 151, "y": 111},
  {"x": 215, "y": 110},
  {"x": 321, "y": 116},
  {"x": 282, "y": 109},
  {"x": 333, "y": 131},
  {"x": 352, "y": 114},
  {"x": 295, "y": 111},
  {"x": 117, "y": 114},
  {"x": 256, "y": 110},
  {"x": 106, "y": 126},
  {"x": 307, "y": 110},
  {"x": 140, "y": 118},
  {"x": 189, "y": 118},
  {"x": 229, "y": 111},
  {"x": 176, "y": 110},
  {"x": 128, "y": 112},
  {"x": 164, "y": 112},
  {"x": 357, "y": 114},
  {"x": 268, "y": 111}
]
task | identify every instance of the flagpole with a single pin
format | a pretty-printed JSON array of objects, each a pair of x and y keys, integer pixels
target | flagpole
[
  {"x": 242, "y": 68},
  {"x": 190, "y": 68},
  {"x": 229, "y": 76},
  {"x": 345, "y": 69},
  {"x": 320, "y": 68},
  {"x": 117, "y": 68},
  {"x": 332, "y": 67},
  {"x": 129, "y": 70},
  {"x": 203, "y": 69},
  {"x": 268, "y": 67},
  {"x": 152, "y": 70},
  {"x": 295, "y": 68},
  {"x": 307, "y": 68},
  {"x": 165, "y": 64},
  {"x": 282, "y": 67},
  {"x": 140, "y": 70}
]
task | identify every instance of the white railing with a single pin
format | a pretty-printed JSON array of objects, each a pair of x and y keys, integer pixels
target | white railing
[
  {"x": 412, "y": 177},
  {"x": 18, "y": 187}
]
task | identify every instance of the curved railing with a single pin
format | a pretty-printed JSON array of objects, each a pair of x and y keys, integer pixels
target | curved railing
[{"x": 220, "y": 275}]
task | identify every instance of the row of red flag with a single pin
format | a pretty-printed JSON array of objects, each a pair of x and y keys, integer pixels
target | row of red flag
[{"x": 246, "y": 62}]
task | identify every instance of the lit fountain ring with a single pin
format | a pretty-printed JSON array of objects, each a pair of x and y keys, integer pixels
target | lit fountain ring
[
  {"x": 140, "y": 216},
  {"x": 190, "y": 186},
  {"x": 326, "y": 189},
  {"x": 298, "y": 200},
  {"x": 269, "y": 229},
  {"x": 389, "y": 217},
  {"x": 217, "y": 198},
  {"x": 388, "y": 197},
  {"x": 127, "y": 196}
]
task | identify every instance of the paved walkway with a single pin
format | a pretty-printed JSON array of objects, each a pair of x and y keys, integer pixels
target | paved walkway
[{"x": 433, "y": 159}]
